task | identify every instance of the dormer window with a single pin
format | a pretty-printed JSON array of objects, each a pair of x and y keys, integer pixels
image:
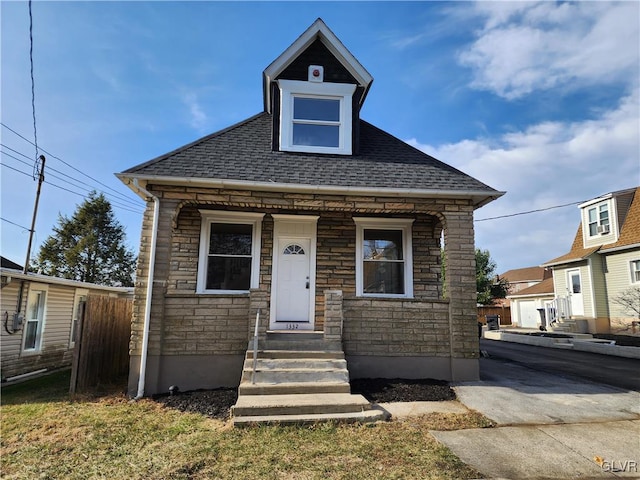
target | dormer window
[
  {"x": 316, "y": 117},
  {"x": 599, "y": 220}
]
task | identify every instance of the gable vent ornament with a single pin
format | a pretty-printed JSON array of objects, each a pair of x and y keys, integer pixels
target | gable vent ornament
[{"x": 316, "y": 73}]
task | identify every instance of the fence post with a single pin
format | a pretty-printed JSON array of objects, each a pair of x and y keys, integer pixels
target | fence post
[{"x": 75, "y": 365}]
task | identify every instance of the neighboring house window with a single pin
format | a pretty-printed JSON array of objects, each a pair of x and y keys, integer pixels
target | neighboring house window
[
  {"x": 599, "y": 220},
  {"x": 80, "y": 298},
  {"x": 315, "y": 117},
  {"x": 635, "y": 271},
  {"x": 229, "y": 252},
  {"x": 384, "y": 264},
  {"x": 34, "y": 319}
]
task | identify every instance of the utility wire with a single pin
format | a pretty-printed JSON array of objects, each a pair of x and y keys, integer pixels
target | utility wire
[
  {"x": 13, "y": 223},
  {"x": 78, "y": 184},
  {"x": 50, "y": 155},
  {"x": 63, "y": 188},
  {"x": 33, "y": 92},
  {"x": 530, "y": 211}
]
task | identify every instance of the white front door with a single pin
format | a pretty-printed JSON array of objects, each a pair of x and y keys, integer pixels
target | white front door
[
  {"x": 575, "y": 292},
  {"x": 293, "y": 274}
]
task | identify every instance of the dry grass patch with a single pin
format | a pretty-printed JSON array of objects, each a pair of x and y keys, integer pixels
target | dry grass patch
[{"x": 48, "y": 434}]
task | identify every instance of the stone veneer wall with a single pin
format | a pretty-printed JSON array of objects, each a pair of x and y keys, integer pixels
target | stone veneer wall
[{"x": 184, "y": 323}]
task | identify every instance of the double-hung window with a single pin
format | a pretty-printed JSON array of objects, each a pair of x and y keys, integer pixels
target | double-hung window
[
  {"x": 599, "y": 220},
  {"x": 635, "y": 271},
  {"x": 34, "y": 319},
  {"x": 229, "y": 252},
  {"x": 384, "y": 266},
  {"x": 315, "y": 117}
]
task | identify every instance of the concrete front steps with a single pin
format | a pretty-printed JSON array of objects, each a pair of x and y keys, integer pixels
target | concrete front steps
[{"x": 299, "y": 378}]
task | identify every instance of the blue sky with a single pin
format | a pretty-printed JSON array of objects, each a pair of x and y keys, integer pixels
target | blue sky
[{"x": 537, "y": 99}]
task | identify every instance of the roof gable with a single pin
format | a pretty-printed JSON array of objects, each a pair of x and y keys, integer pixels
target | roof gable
[{"x": 317, "y": 31}]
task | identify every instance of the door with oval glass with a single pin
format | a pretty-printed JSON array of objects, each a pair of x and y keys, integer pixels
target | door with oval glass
[{"x": 293, "y": 284}]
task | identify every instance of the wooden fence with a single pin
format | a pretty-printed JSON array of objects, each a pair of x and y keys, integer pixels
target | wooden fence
[
  {"x": 503, "y": 312},
  {"x": 101, "y": 353}
]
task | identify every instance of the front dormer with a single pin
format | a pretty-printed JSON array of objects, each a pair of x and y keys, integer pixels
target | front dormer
[
  {"x": 603, "y": 217},
  {"x": 314, "y": 91}
]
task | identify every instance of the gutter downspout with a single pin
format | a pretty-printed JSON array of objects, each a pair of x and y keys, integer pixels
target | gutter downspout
[{"x": 147, "y": 307}]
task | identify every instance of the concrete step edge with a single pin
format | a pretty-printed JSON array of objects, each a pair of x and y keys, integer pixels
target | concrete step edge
[{"x": 360, "y": 417}]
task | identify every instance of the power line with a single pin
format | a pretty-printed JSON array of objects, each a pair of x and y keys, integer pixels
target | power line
[
  {"x": 33, "y": 86},
  {"x": 530, "y": 211},
  {"x": 13, "y": 223},
  {"x": 78, "y": 183},
  {"x": 121, "y": 207},
  {"x": 51, "y": 155}
]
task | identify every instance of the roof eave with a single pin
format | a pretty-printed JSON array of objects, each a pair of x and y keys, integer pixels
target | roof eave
[
  {"x": 39, "y": 278},
  {"x": 619, "y": 248},
  {"x": 478, "y": 197}
]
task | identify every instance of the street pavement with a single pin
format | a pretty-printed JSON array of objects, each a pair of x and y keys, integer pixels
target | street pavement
[{"x": 548, "y": 426}]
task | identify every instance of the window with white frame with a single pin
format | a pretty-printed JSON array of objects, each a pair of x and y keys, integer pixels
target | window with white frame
[
  {"x": 598, "y": 217},
  {"x": 315, "y": 117},
  {"x": 635, "y": 271},
  {"x": 229, "y": 259},
  {"x": 34, "y": 319},
  {"x": 384, "y": 266}
]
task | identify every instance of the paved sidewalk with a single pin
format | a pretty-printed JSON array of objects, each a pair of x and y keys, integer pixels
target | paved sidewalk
[{"x": 549, "y": 427}]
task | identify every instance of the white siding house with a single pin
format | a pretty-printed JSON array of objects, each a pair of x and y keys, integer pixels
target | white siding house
[{"x": 37, "y": 332}]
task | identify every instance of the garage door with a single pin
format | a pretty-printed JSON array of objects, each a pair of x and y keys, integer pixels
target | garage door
[{"x": 529, "y": 315}]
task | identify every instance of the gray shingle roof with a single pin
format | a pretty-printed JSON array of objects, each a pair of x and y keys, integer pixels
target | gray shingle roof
[{"x": 243, "y": 153}]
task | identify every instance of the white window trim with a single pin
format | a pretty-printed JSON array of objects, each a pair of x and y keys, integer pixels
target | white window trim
[
  {"x": 632, "y": 272},
  {"x": 403, "y": 224},
  {"x": 80, "y": 292},
  {"x": 33, "y": 288},
  {"x": 244, "y": 218},
  {"x": 598, "y": 222},
  {"x": 340, "y": 91}
]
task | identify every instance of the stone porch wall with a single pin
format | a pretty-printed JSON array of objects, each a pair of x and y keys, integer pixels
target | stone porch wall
[{"x": 396, "y": 327}]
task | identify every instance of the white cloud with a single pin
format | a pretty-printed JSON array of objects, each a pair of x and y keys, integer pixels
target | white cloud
[
  {"x": 525, "y": 47},
  {"x": 548, "y": 164},
  {"x": 197, "y": 117}
]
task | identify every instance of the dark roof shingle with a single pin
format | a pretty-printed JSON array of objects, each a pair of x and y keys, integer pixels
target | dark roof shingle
[{"x": 243, "y": 152}]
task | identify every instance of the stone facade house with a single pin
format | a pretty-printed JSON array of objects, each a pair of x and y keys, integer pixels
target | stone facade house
[{"x": 314, "y": 219}]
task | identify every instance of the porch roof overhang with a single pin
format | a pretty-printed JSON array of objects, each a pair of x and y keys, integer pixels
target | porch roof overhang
[{"x": 478, "y": 198}]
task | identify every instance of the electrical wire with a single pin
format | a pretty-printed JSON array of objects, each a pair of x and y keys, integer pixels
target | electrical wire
[
  {"x": 121, "y": 207},
  {"x": 36, "y": 172},
  {"x": 13, "y": 223},
  {"x": 78, "y": 183},
  {"x": 530, "y": 211},
  {"x": 51, "y": 155}
]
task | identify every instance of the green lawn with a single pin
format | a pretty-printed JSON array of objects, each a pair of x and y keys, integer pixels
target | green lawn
[{"x": 47, "y": 434}]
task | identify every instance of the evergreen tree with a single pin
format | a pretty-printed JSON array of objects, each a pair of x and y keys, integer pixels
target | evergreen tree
[
  {"x": 88, "y": 247},
  {"x": 488, "y": 285}
]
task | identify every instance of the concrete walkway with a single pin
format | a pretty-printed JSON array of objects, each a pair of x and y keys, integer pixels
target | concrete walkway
[{"x": 549, "y": 427}]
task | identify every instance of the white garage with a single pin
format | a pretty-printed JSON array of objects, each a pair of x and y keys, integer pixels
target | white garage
[{"x": 525, "y": 303}]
